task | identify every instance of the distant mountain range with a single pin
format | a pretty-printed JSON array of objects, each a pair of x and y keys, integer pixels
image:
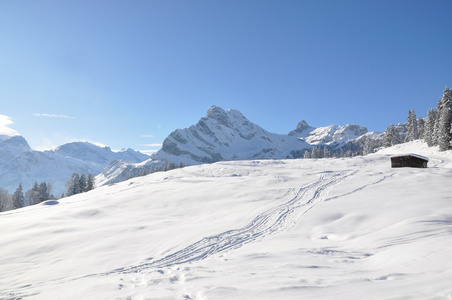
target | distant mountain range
[
  {"x": 227, "y": 135},
  {"x": 20, "y": 164},
  {"x": 219, "y": 136}
]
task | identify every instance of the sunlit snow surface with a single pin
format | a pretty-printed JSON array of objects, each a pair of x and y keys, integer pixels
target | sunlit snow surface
[{"x": 270, "y": 229}]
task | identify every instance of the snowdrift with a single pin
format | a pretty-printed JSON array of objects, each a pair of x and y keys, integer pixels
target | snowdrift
[{"x": 264, "y": 229}]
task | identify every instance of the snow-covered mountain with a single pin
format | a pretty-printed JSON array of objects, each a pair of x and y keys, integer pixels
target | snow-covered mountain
[
  {"x": 228, "y": 135},
  {"x": 225, "y": 135},
  {"x": 20, "y": 164},
  {"x": 346, "y": 228},
  {"x": 11, "y": 147}
]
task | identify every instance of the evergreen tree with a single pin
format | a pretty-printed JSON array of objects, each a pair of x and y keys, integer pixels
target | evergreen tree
[
  {"x": 411, "y": 127},
  {"x": 32, "y": 194},
  {"x": 390, "y": 136},
  {"x": 326, "y": 153},
  {"x": 444, "y": 119},
  {"x": 43, "y": 193},
  {"x": 421, "y": 127},
  {"x": 90, "y": 182},
  {"x": 368, "y": 145},
  {"x": 18, "y": 197},
  {"x": 82, "y": 183},
  {"x": 444, "y": 136},
  {"x": 313, "y": 152},
  {"x": 307, "y": 154},
  {"x": 429, "y": 127},
  {"x": 73, "y": 185}
]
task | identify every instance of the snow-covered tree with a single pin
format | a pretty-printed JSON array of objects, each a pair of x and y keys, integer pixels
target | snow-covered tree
[
  {"x": 90, "y": 182},
  {"x": 411, "y": 133},
  {"x": 444, "y": 136},
  {"x": 421, "y": 127},
  {"x": 326, "y": 152},
  {"x": 43, "y": 192},
  {"x": 32, "y": 194},
  {"x": 429, "y": 127},
  {"x": 82, "y": 183},
  {"x": 369, "y": 145},
  {"x": 391, "y": 136},
  {"x": 443, "y": 120},
  {"x": 73, "y": 185},
  {"x": 6, "y": 202},
  {"x": 18, "y": 197}
]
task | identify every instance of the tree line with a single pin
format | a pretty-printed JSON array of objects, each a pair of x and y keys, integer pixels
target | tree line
[
  {"x": 153, "y": 169},
  {"x": 79, "y": 184},
  {"x": 435, "y": 129},
  {"x": 37, "y": 194},
  {"x": 43, "y": 192}
]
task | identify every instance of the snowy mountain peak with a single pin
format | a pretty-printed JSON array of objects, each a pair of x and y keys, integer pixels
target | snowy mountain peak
[
  {"x": 11, "y": 147},
  {"x": 302, "y": 127},
  {"x": 223, "y": 135},
  {"x": 231, "y": 118}
]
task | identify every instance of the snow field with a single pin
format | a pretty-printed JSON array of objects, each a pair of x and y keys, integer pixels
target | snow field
[{"x": 273, "y": 229}]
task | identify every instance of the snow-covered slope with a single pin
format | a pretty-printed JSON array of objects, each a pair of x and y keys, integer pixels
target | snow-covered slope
[
  {"x": 264, "y": 229},
  {"x": 227, "y": 135},
  {"x": 20, "y": 164}
]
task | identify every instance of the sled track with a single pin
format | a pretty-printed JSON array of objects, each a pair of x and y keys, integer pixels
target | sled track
[{"x": 280, "y": 218}]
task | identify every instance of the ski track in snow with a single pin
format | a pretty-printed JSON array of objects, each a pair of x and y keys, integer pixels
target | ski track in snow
[{"x": 280, "y": 218}]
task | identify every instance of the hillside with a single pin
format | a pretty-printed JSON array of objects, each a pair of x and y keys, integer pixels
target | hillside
[{"x": 256, "y": 229}]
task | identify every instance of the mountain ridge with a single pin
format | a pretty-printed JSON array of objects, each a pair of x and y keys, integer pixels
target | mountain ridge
[
  {"x": 21, "y": 164},
  {"x": 228, "y": 135}
]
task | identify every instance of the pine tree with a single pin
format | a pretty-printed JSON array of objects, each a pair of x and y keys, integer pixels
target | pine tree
[
  {"x": 43, "y": 193},
  {"x": 444, "y": 136},
  {"x": 90, "y": 182},
  {"x": 32, "y": 194},
  {"x": 82, "y": 183},
  {"x": 368, "y": 145},
  {"x": 313, "y": 152},
  {"x": 391, "y": 136},
  {"x": 326, "y": 153},
  {"x": 444, "y": 119},
  {"x": 421, "y": 127},
  {"x": 18, "y": 197},
  {"x": 429, "y": 127},
  {"x": 411, "y": 133},
  {"x": 73, "y": 185}
]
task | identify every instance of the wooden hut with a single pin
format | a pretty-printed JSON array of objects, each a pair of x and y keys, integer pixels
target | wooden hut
[{"x": 409, "y": 160}]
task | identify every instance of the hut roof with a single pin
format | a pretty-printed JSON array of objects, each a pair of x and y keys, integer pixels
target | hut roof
[{"x": 411, "y": 154}]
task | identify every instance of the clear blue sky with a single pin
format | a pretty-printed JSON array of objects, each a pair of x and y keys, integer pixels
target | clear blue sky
[{"x": 127, "y": 73}]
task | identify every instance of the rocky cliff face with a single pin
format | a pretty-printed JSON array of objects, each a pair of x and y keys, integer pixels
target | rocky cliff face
[{"x": 225, "y": 135}]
